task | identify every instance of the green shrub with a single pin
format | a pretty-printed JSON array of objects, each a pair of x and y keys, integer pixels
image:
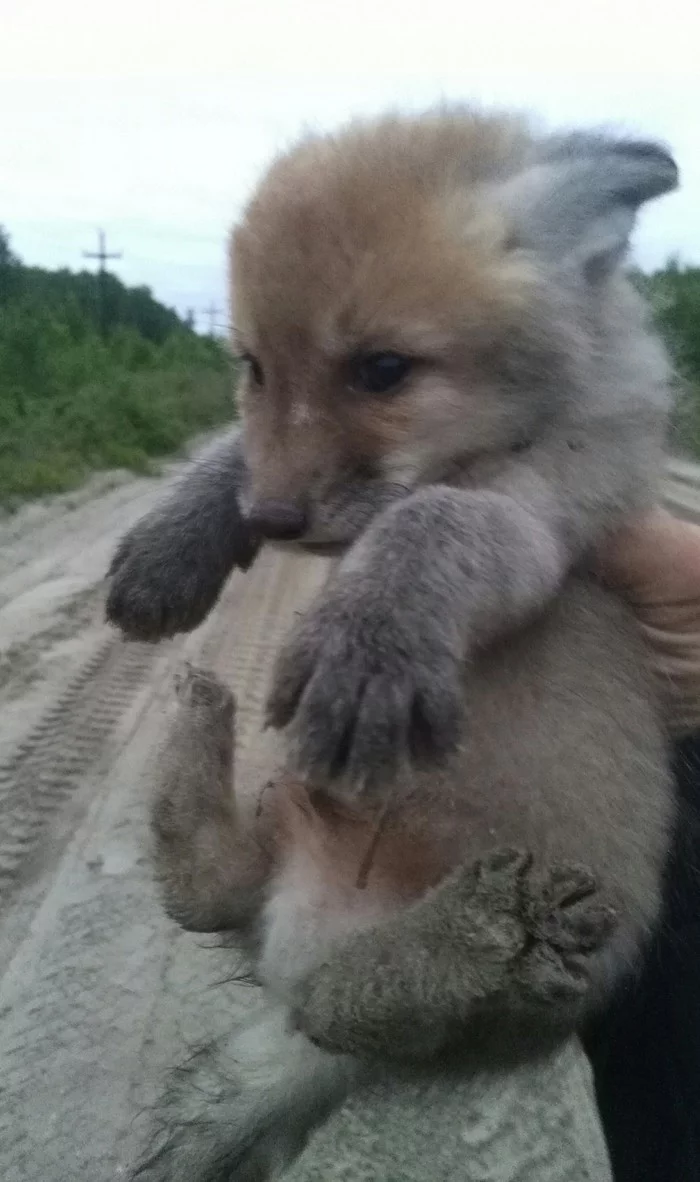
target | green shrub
[{"x": 74, "y": 399}]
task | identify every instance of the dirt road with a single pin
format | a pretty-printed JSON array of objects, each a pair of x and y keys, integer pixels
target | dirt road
[{"x": 99, "y": 993}]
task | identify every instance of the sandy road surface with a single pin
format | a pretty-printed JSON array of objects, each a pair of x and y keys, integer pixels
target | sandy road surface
[{"x": 99, "y": 993}]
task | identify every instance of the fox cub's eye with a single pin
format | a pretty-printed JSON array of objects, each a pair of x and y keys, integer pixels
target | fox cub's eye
[
  {"x": 256, "y": 370},
  {"x": 376, "y": 373}
]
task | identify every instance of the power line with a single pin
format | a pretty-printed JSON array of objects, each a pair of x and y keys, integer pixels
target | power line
[{"x": 103, "y": 256}]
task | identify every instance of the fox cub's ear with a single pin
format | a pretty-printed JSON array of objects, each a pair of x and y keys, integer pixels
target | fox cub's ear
[{"x": 577, "y": 201}]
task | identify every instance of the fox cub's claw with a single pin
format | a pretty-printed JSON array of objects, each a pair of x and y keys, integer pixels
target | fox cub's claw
[{"x": 363, "y": 694}]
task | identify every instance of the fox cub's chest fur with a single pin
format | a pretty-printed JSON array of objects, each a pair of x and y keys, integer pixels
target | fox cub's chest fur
[{"x": 578, "y": 673}]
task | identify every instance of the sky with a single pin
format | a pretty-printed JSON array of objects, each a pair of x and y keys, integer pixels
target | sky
[{"x": 154, "y": 120}]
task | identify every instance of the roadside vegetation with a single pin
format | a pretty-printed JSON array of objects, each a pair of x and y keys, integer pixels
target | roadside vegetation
[
  {"x": 674, "y": 293},
  {"x": 94, "y": 378}
]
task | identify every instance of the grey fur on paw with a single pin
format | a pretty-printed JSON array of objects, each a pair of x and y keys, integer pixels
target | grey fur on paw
[
  {"x": 360, "y": 1001},
  {"x": 566, "y": 912},
  {"x": 567, "y": 923},
  {"x": 341, "y": 1015},
  {"x": 363, "y": 697},
  {"x": 167, "y": 575},
  {"x": 193, "y": 784},
  {"x": 542, "y": 924},
  {"x": 558, "y": 905}
]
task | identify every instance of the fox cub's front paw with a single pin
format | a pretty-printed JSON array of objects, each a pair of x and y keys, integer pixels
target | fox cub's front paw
[
  {"x": 167, "y": 574},
  {"x": 364, "y": 693}
]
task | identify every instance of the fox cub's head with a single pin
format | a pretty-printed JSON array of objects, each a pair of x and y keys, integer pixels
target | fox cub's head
[{"x": 413, "y": 293}]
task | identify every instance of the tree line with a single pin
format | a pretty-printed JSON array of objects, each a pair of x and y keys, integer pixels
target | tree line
[{"x": 95, "y": 377}]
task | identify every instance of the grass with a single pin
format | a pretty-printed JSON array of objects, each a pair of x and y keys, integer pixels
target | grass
[{"x": 129, "y": 420}]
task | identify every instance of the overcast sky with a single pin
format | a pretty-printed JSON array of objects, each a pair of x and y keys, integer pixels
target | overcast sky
[{"x": 154, "y": 119}]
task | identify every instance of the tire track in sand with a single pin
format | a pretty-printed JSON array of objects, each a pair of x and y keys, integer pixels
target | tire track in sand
[{"x": 68, "y": 741}]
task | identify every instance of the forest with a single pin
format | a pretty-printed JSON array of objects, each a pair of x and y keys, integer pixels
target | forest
[{"x": 97, "y": 375}]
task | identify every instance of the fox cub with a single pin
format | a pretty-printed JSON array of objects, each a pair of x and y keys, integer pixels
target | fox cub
[{"x": 449, "y": 383}]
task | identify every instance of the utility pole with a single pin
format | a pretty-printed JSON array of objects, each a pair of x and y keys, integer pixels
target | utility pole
[
  {"x": 212, "y": 312},
  {"x": 103, "y": 256}
]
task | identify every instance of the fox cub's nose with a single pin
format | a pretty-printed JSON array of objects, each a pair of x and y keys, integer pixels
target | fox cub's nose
[{"x": 282, "y": 520}]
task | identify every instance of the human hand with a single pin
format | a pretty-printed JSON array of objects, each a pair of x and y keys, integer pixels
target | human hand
[{"x": 654, "y": 563}]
